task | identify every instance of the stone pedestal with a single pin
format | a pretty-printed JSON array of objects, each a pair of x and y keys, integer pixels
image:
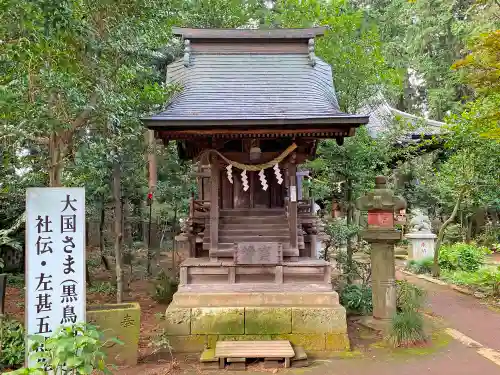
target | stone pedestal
[
  {"x": 383, "y": 271},
  {"x": 422, "y": 245},
  {"x": 313, "y": 320}
]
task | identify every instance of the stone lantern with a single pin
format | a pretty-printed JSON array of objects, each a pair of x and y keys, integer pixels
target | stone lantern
[{"x": 381, "y": 204}]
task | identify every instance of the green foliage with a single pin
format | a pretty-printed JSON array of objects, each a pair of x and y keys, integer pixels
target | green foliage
[
  {"x": 486, "y": 279},
  {"x": 409, "y": 297},
  {"x": 462, "y": 257},
  {"x": 453, "y": 234},
  {"x": 13, "y": 349},
  {"x": 351, "y": 45},
  {"x": 76, "y": 350},
  {"x": 407, "y": 326},
  {"x": 339, "y": 232},
  {"x": 357, "y": 299},
  {"x": 420, "y": 266},
  {"x": 407, "y": 329},
  {"x": 15, "y": 280},
  {"x": 102, "y": 287},
  {"x": 164, "y": 288},
  {"x": 161, "y": 342}
]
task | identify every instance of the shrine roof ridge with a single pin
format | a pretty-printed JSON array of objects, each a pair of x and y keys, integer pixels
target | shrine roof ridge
[{"x": 295, "y": 33}]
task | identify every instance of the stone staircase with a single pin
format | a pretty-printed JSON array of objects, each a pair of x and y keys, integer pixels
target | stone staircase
[{"x": 251, "y": 225}]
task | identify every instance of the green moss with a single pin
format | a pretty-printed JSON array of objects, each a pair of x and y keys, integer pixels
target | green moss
[
  {"x": 319, "y": 320},
  {"x": 315, "y": 341},
  {"x": 268, "y": 320},
  {"x": 437, "y": 340},
  {"x": 337, "y": 342},
  {"x": 120, "y": 321},
  {"x": 218, "y": 320}
]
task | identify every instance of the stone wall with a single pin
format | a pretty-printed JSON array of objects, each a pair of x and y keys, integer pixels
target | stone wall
[{"x": 314, "y": 328}]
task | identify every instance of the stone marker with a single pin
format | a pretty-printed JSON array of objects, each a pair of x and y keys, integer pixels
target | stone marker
[{"x": 381, "y": 203}]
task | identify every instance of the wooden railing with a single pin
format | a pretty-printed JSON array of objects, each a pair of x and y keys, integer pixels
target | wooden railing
[
  {"x": 305, "y": 206},
  {"x": 198, "y": 207}
]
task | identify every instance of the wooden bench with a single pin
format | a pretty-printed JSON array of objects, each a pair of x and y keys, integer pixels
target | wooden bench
[{"x": 254, "y": 349}]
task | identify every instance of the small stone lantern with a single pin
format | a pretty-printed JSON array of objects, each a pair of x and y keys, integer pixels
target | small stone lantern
[{"x": 381, "y": 204}]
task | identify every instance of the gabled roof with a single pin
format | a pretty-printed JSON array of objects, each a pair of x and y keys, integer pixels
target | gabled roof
[
  {"x": 251, "y": 78},
  {"x": 245, "y": 87}
]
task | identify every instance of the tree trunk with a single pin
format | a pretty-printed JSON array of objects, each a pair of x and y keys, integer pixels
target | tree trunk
[
  {"x": 349, "y": 218},
  {"x": 102, "y": 245},
  {"x": 435, "y": 267},
  {"x": 118, "y": 230},
  {"x": 55, "y": 160},
  {"x": 468, "y": 234}
]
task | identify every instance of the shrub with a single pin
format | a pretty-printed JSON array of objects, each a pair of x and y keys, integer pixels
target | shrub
[
  {"x": 357, "y": 299},
  {"x": 74, "y": 350},
  {"x": 12, "y": 344},
  {"x": 454, "y": 233},
  {"x": 407, "y": 329},
  {"x": 409, "y": 297},
  {"x": 420, "y": 266},
  {"x": 462, "y": 256},
  {"x": 165, "y": 288},
  {"x": 485, "y": 279},
  {"x": 407, "y": 326}
]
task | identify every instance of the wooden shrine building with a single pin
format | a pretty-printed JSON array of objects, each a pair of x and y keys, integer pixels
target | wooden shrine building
[{"x": 251, "y": 106}]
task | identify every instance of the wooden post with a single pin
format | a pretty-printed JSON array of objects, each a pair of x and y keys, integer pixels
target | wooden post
[
  {"x": 292, "y": 214},
  {"x": 214, "y": 205}
]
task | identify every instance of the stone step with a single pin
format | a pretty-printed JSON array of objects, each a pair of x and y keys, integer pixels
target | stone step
[
  {"x": 271, "y": 238},
  {"x": 236, "y": 226},
  {"x": 253, "y": 232},
  {"x": 228, "y": 246},
  {"x": 253, "y": 212}
]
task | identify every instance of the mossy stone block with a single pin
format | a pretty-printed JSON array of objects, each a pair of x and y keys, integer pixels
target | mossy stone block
[
  {"x": 314, "y": 341},
  {"x": 192, "y": 343},
  {"x": 319, "y": 320},
  {"x": 337, "y": 342},
  {"x": 208, "y": 355},
  {"x": 268, "y": 320},
  {"x": 121, "y": 321},
  {"x": 178, "y": 321},
  {"x": 245, "y": 338},
  {"x": 218, "y": 320}
]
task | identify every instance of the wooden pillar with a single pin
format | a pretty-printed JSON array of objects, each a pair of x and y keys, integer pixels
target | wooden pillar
[
  {"x": 214, "y": 206},
  {"x": 292, "y": 213}
]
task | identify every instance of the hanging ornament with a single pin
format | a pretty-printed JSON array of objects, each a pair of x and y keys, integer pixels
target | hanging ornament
[
  {"x": 229, "y": 170},
  {"x": 263, "y": 181},
  {"x": 339, "y": 184},
  {"x": 277, "y": 173},
  {"x": 244, "y": 180}
]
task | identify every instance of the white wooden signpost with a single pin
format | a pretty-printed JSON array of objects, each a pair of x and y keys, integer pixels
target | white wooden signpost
[{"x": 55, "y": 259}]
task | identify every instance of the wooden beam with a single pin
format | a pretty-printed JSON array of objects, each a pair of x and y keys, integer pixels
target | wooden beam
[
  {"x": 270, "y": 132},
  {"x": 214, "y": 205},
  {"x": 292, "y": 209}
]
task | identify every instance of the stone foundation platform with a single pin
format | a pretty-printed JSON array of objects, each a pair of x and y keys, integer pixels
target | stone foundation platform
[{"x": 314, "y": 320}]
